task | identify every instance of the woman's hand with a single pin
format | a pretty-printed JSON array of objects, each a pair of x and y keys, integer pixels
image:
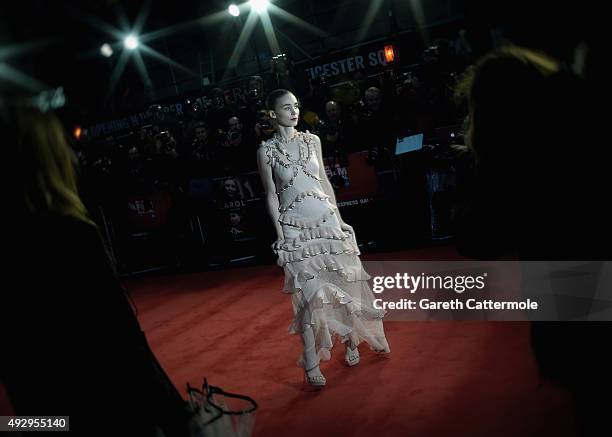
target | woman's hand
[
  {"x": 278, "y": 244},
  {"x": 347, "y": 228}
]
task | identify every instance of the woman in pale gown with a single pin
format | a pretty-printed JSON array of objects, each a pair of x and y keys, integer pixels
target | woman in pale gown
[{"x": 319, "y": 254}]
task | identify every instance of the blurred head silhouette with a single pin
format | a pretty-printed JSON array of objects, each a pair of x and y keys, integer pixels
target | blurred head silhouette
[
  {"x": 507, "y": 96},
  {"x": 45, "y": 163}
]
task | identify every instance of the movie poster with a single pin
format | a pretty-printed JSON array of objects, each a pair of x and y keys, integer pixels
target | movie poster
[
  {"x": 149, "y": 212},
  {"x": 238, "y": 198}
]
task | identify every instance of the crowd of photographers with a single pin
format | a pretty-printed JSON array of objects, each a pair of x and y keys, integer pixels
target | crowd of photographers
[{"x": 177, "y": 159}]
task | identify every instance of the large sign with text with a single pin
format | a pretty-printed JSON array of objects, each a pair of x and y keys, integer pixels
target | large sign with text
[
  {"x": 368, "y": 60},
  {"x": 133, "y": 121}
]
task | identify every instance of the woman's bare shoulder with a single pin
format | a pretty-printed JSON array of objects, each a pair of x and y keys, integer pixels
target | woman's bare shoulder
[{"x": 311, "y": 136}]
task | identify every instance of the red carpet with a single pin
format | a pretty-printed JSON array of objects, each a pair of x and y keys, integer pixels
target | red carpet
[{"x": 441, "y": 379}]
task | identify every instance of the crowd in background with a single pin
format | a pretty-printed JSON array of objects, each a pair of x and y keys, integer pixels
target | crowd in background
[{"x": 174, "y": 160}]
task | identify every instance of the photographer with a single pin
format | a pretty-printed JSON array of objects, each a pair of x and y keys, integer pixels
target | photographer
[
  {"x": 255, "y": 92},
  {"x": 439, "y": 76},
  {"x": 377, "y": 132},
  {"x": 281, "y": 67},
  {"x": 407, "y": 104},
  {"x": 253, "y": 103},
  {"x": 167, "y": 161},
  {"x": 319, "y": 94},
  {"x": 100, "y": 173},
  {"x": 263, "y": 128},
  {"x": 232, "y": 154},
  {"x": 203, "y": 153},
  {"x": 235, "y": 129},
  {"x": 165, "y": 122},
  {"x": 218, "y": 112},
  {"x": 333, "y": 134},
  {"x": 195, "y": 113}
]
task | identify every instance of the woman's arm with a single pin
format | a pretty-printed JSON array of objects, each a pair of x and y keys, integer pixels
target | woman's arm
[
  {"x": 325, "y": 184},
  {"x": 269, "y": 187}
]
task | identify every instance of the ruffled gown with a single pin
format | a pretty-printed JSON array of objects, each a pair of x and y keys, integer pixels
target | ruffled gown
[{"x": 323, "y": 273}]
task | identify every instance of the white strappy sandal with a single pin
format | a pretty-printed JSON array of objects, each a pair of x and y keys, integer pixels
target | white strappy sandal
[
  {"x": 315, "y": 381},
  {"x": 351, "y": 357}
]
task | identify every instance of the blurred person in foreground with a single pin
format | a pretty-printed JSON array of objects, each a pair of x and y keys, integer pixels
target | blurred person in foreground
[
  {"x": 76, "y": 347},
  {"x": 534, "y": 195}
]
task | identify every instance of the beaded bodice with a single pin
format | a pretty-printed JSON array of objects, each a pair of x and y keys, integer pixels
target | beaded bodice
[{"x": 294, "y": 175}]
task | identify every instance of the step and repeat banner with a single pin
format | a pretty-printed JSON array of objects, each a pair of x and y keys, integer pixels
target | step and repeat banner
[{"x": 239, "y": 199}]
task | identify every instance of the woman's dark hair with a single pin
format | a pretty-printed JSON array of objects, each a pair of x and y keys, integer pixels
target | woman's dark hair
[
  {"x": 273, "y": 97},
  {"x": 506, "y": 95}
]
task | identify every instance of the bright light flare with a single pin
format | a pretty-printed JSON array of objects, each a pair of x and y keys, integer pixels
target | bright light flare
[
  {"x": 130, "y": 42},
  {"x": 233, "y": 10},
  {"x": 106, "y": 50},
  {"x": 259, "y": 5}
]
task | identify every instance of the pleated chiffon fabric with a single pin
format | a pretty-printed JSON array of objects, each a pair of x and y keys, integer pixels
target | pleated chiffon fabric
[{"x": 323, "y": 273}]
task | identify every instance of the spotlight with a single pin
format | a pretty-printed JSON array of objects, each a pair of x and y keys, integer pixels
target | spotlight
[
  {"x": 130, "y": 42},
  {"x": 259, "y": 5},
  {"x": 233, "y": 10},
  {"x": 106, "y": 50}
]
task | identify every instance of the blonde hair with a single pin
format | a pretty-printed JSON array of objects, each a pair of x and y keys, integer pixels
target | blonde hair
[{"x": 46, "y": 166}]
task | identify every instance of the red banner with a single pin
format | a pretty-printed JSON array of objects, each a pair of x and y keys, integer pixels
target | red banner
[{"x": 354, "y": 183}]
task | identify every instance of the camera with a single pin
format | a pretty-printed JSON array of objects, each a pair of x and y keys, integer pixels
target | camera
[
  {"x": 156, "y": 112},
  {"x": 166, "y": 140},
  {"x": 279, "y": 63},
  {"x": 432, "y": 51},
  {"x": 323, "y": 79},
  {"x": 200, "y": 153},
  {"x": 372, "y": 156},
  {"x": 255, "y": 97},
  {"x": 407, "y": 78},
  {"x": 225, "y": 136},
  {"x": 163, "y": 134},
  {"x": 164, "y": 137},
  {"x": 362, "y": 110},
  {"x": 233, "y": 135},
  {"x": 319, "y": 82},
  {"x": 103, "y": 165},
  {"x": 194, "y": 109}
]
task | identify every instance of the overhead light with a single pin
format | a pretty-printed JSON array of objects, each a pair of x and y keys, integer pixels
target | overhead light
[
  {"x": 130, "y": 42},
  {"x": 106, "y": 50},
  {"x": 233, "y": 10},
  {"x": 259, "y": 5}
]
